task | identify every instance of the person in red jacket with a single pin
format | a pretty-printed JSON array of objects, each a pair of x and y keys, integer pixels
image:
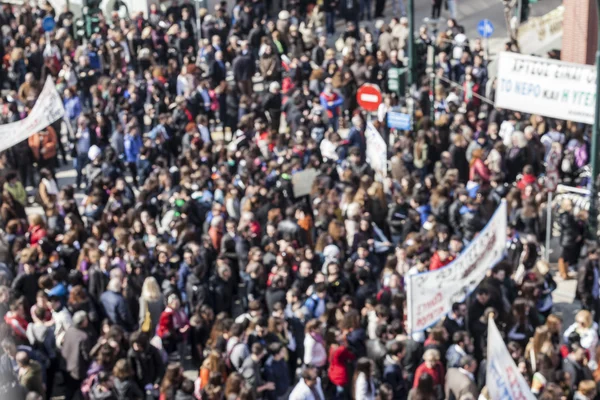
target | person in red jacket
[
  {"x": 173, "y": 325},
  {"x": 339, "y": 357},
  {"x": 432, "y": 366},
  {"x": 440, "y": 258},
  {"x": 37, "y": 229},
  {"x": 527, "y": 179}
]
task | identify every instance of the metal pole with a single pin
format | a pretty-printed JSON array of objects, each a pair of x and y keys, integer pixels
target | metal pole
[
  {"x": 411, "y": 43},
  {"x": 593, "y": 214},
  {"x": 548, "y": 226},
  {"x": 198, "y": 22}
]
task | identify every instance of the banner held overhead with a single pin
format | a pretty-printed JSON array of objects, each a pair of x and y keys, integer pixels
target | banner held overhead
[
  {"x": 431, "y": 294},
  {"x": 546, "y": 87}
]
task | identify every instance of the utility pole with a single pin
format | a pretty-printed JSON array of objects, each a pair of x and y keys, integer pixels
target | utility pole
[
  {"x": 412, "y": 64},
  {"x": 411, "y": 44},
  {"x": 593, "y": 213}
]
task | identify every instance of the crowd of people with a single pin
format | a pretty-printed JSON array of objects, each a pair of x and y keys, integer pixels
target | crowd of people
[{"x": 191, "y": 251}]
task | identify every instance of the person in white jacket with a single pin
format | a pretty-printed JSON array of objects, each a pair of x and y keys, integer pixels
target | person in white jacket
[
  {"x": 588, "y": 334},
  {"x": 364, "y": 388},
  {"x": 315, "y": 353},
  {"x": 309, "y": 386}
]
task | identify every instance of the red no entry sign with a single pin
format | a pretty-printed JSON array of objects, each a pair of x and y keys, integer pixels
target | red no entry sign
[{"x": 369, "y": 97}]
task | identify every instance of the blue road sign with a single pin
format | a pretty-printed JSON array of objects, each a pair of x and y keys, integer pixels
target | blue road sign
[
  {"x": 396, "y": 120},
  {"x": 48, "y": 24},
  {"x": 485, "y": 28}
]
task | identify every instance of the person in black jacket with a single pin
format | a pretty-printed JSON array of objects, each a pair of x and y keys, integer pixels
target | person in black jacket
[
  {"x": 454, "y": 216},
  {"x": 145, "y": 360},
  {"x": 471, "y": 221},
  {"x": 587, "y": 283},
  {"x": 271, "y": 103},
  {"x": 244, "y": 69},
  {"x": 221, "y": 288},
  {"x": 570, "y": 236},
  {"x": 393, "y": 372},
  {"x": 217, "y": 70},
  {"x": 124, "y": 385},
  {"x": 396, "y": 217}
]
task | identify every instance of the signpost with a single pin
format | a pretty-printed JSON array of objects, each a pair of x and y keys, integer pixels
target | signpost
[
  {"x": 485, "y": 28},
  {"x": 368, "y": 97},
  {"x": 400, "y": 121},
  {"x": 48, "y": 25},
  {"x": 551, "y": 181}
]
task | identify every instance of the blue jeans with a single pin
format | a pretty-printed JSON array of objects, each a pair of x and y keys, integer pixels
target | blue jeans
[
  {"x": 330, "y": 22},
  {"x": 365, "y": 9},
  {"x": 80, "y": 162},
  {"x": 452, "y": 8},
  {"x": 398, "y": 5}
]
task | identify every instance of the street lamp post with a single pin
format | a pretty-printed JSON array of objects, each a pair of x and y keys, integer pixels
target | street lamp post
[{"x": 593, "y": 219}]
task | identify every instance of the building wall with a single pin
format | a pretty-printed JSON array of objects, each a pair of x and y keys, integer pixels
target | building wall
[{"x": 580, "y": 31}]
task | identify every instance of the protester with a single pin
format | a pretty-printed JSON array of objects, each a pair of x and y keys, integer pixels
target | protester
[{"x": 195, "y": 237}]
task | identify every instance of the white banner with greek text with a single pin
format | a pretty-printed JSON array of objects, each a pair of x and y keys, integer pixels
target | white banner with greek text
[
  {"x": 431, "y": 294},
  {"x": 546, "y": 87},
  {"x": 47, "y": 109},
  {"x": 503, "y": 379},
  {"x": 376, "y": 151}
]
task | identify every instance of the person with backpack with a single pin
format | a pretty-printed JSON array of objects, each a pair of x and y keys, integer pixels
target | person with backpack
[
  {"x": 315, "y": 304},
  {"x": 237, "y": 350}
]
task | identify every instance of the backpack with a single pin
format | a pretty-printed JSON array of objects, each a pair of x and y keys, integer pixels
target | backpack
[
  {"x": 568, "y": 162},
  {"x": 228, "y": 362}
]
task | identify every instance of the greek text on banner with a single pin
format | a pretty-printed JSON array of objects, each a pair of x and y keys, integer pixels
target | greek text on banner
[
  {"x": 551, "y": 88},
  {"x": 503, "y": 379},
  {"x": 431, "y": 294},
  {"x": 47, "y": 109}
]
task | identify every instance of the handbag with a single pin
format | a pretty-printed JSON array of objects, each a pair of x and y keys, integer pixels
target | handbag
[{"x": 147, "y": 323}]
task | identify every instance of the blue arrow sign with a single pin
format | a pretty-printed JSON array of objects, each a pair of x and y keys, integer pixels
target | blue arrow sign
[
  {"x": 485, "y": 28},
  {"x": 48, "y": 24}
]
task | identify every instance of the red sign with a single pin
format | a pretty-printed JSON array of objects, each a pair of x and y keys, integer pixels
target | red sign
[{"x": 369, "y": 97}]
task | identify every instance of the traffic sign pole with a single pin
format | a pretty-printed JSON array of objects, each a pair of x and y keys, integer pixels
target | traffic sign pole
[
  {"x": 485, "y": 28},
  {"x": 368, "y": 97},
  {"x": 551, "y": 182},
  {"x": 548, "y": 226}
]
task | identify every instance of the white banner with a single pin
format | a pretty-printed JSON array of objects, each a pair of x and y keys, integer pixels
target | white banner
[
  {"x": 546, "y": 87},
  {"x": 47, "y": 109},
  {"x": 431, "y": 294},
  {"x": 541, "y": 32},
  {"x": 376, "y": 151},
  {"x": 503, "y": 379}
]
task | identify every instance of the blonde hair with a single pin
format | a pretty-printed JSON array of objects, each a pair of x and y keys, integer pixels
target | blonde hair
[
  {"x": 587, "y": 316},
  {"x": 150, "y": 289},
  {"x": 431, "y": 355},
  {"x": 587, "y": 387},
  {"x": 542, "y": 267}
]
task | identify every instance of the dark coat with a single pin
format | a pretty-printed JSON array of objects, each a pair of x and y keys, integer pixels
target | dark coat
[
  {"x": 148, "y": 366},
  {"x": 117, "y": 311},
  {"x": 76, "y": 352}
]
